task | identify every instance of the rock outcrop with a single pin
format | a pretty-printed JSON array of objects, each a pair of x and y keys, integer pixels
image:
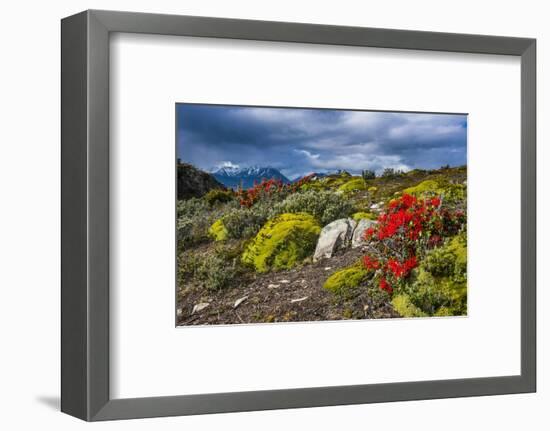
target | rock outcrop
[
  {"x": 334, "y": 236},
  {"x": 340, "y": 234},
  {"x": 358, "y": 237}
]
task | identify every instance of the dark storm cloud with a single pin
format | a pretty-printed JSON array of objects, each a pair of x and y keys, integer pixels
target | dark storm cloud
[{"x": 299, "y": 141}]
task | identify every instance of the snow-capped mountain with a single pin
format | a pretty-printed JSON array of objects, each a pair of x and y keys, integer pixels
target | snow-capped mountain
[{"x": 234, "y": 176}]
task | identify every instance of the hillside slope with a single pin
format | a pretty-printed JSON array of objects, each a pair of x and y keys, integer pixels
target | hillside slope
[{"x": 194, "y": 183}]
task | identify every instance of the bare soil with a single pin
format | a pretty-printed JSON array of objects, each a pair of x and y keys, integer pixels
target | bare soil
[{"x": 295, "y": 295}]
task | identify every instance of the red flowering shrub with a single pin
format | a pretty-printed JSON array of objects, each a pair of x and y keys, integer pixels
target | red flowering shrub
[
  {"x": 269, "y": 188},
  {"x": 297, "y": 185},
  {"x": 265, "y": 189},
  {"x": 408, "y": 228}
]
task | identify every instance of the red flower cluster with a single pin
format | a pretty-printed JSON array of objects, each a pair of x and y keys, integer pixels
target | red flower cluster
[
  {"x": 403, "y": 233},
  {"x": 370, "y": 263},
  {"x": 408, "y": 214},
  {"x": 302, "y": 181},
  {"x": 384, "y": 285},
  {"x": 250, "y": 196},
  {"x": 402, "y": 269}
]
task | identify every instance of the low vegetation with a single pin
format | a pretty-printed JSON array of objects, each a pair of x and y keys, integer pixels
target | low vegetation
[{"x": 258, "y": 244}]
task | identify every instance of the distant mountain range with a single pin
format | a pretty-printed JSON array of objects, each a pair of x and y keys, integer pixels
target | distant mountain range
[{"x": 235, "y": 177}]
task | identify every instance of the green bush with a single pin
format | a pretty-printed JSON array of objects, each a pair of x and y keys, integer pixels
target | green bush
[
  {"x": 368, "y": 174},
  {"x": 191, "y": 207},
  {"x": 438, "y": 287},
  {"x": 216, "y": 272},
  {"x": 194, "y": 220},
  {"x": 403, "y": 305},
  {"x": 216, "y": 196},
  {"x": 282, "y": 242},
  {"x": 392, "y": 173},
  {"x": 324, "y": 205},
  {"x": 246, "y": 222},
  {"x": 346, "y": 281},
  {"x": 213, "y": 269}
]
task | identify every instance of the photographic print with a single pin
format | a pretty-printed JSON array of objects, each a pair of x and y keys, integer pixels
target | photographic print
[{"x": 308, "y": 214}]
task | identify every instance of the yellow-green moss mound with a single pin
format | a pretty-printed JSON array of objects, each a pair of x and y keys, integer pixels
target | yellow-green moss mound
[
  {"x": 428, "y": 186},
  {"x": 450, "y": 192},
  {"x": 354, "y": 184},
  {"x": 346, "y": 280},
  {"x": 283, "y": 242},
  {"x": 403, "y": 305},
  {"x": 218, "y": 231}
]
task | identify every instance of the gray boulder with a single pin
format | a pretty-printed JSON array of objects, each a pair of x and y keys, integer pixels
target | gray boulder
[
  {"x": 358, "y": 239},
  {"x": 334, "y": 236}
]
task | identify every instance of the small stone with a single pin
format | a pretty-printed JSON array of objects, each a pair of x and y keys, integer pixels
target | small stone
[
  {"x": 284, "y": 281},
  {"x": 239, "y": 301},
  {"x": 273, "y": 286},
  {"x": 298, "y": 299},
  {"x": 199, "y": 307},
  {"x": 328, "y": 268},
  {"x": 179, "y": 312}
]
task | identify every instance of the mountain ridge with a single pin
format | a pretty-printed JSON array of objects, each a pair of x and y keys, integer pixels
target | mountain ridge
[{"x": 235, "y": 177}]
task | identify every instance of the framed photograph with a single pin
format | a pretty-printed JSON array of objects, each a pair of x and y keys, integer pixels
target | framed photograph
[{"x": 265, "y": 215}]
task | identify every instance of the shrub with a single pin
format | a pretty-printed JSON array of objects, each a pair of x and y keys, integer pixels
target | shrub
[
  {"x": 191, "y": 207},
  {"x": 214, "y": 269},
  {"x": 367, "y": 174},
  {"x": 392, "y": 173},
  {"x": 216, "y": 273},
  {"x": 324, "y": 205},
  {"x": 355, "y": 184},
  {"x": 282, "y": 242},
  {"x": 438, "y": 286},
  {"x": 403, "y": 305},
  {"x": 345, "y": 281},
  {"x": 195, "y": 217},
  {"x": 216, "y": 196},
  {"x": 246, "y": 222},
  {"x": 403, "y": 234},
  {"x": 267, "y": 189}
]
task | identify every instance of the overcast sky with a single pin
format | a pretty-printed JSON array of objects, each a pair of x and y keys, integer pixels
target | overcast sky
[{"x": 301, "y": 141}]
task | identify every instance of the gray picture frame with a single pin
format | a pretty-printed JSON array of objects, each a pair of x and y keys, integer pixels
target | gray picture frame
[{"x": 85, "y": 215}]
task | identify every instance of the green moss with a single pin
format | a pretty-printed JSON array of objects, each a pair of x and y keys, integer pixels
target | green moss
[
  {"x": 343, "y": 282},
  {"x": 354, "y": 184},
  {"x": 428, "y": 186},
  {"x": 441, "y": 186},
  {"x": 282, "y": 242},
  {"x": 218, "y": 231},
  {"x": 363, "y": 215},
  {"x": 403, "y": 305}
]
